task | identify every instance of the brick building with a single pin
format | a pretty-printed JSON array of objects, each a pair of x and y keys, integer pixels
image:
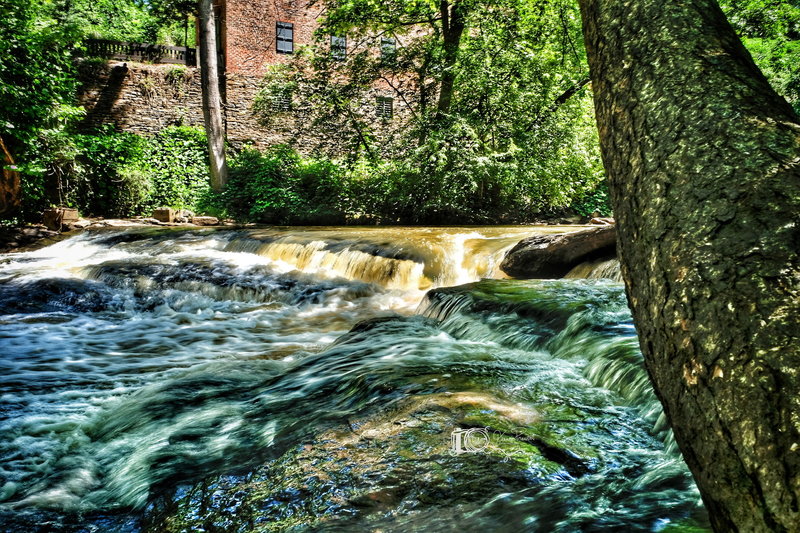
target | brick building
[
  {"x": 259, "y": 33},
  {"x": 253, "y": 36}
]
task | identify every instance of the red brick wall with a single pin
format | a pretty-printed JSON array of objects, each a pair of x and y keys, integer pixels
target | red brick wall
[{"x": 250, "y": 32}]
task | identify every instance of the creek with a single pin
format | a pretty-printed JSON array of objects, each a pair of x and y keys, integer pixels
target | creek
[{"x": 324, "y": 379}]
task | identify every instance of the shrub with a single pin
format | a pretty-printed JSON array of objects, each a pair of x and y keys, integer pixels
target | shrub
[
  {"x": 177, "y": 159},
  {"x": 261, "y": 186},
  {"x": 596, "y": 201},
  {"x": 111, "y": 174},
  {"x": 281, "y": 187},
  {"x": 122, "y": 174}
]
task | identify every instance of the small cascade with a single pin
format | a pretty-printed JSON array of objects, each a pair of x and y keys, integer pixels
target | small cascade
[
  {"x": 570, "y": 319},
  {"x": 320, "y": 257},
  {"x": 599, "y": 269},
  {"x": 410, "y": 259}
]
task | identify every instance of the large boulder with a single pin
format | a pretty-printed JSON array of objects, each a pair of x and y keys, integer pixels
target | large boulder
[
  {"x": 205, "y": 221},
  {"x": 9, "y": 184},
  {"x": 552, "y": 256},
  {"x": 60, "y": 218}
]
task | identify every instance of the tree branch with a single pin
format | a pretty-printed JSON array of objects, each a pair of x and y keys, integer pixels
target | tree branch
[{"x": 561, "y": 100}]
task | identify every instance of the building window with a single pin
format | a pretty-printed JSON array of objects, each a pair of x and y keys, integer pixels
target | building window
[
  {"x": 385, "y": 107},
  {"x": 388, "y": 47},
  {"x": 339, "y": 47},
  {"x": 285, "y": 39}
]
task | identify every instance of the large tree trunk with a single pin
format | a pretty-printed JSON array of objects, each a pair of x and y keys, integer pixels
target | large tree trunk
[
  {"x": 703, "y": 159},
  {"x": 212, "y": 98}
]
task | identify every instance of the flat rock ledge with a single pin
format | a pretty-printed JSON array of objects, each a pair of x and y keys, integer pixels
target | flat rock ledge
[{"x": 553, "y": 256}]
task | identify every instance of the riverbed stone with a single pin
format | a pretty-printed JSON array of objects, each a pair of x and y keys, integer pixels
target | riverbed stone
[
  {"x": 14, "y": 238},
  {"x": 81, "y": 224}
]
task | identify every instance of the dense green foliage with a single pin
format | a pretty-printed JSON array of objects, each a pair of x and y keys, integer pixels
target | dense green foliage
[
  {"x": 38, "y": 115},
  {"x": 107, "y": 174},
  {"x": 37, "y": 83},
  {"x": 130, "y": 20},
  {"x": 504, "y": 145},
  {"x": 771, "y": 31},
  {"x": 39, "y": 39},
  {"x": 281, "y": 187},
  {"x": 177, "y": 161},
  {"x": 110, "y": 173},
  {"x": 123, "y": 174},
  {"x": 36, "y": 75},
  {"x": 492, "y": 118}
]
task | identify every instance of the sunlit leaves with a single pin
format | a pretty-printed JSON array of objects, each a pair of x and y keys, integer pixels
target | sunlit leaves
[{"x": 771, "y": 31}]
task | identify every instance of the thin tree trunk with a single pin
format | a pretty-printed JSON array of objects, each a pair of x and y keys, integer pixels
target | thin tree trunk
[
  {"x": 212, "y": 99},
  {"x": 703, "y": 159},
  {"x": 452, "y": 29}
]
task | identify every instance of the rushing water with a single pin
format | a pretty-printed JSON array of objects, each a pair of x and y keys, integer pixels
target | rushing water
[{"x": 310, "y": 379}]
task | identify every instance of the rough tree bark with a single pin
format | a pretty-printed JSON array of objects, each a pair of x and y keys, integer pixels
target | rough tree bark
[
  {"x": 212, "y": 98},
  {"x": 703, "y": 159}
]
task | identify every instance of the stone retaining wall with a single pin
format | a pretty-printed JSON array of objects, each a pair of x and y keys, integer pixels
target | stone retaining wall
[{"x": 145, "y": 99}]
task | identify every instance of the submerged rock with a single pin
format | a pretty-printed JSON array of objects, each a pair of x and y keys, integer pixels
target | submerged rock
[
  {"x": 377, "y": 471},
  {"x": 552, "y": 256},
  {"x": 432, "y": 460}
]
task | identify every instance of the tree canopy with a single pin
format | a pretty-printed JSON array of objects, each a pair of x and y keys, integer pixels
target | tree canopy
[
  {"x": 491, "y": 118},
  {"x": 771, "y": 32},
  {"x": 491, "y": 96}
]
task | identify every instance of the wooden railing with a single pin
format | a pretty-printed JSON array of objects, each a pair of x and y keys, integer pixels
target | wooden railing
[{"x": 146, "y": 53}]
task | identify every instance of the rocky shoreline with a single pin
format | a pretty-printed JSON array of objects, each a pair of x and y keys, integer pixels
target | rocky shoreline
[{"x": 34, "y": 236}]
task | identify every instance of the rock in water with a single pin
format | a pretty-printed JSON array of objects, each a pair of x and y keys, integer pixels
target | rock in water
[{"x": 552, "y": 256}]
